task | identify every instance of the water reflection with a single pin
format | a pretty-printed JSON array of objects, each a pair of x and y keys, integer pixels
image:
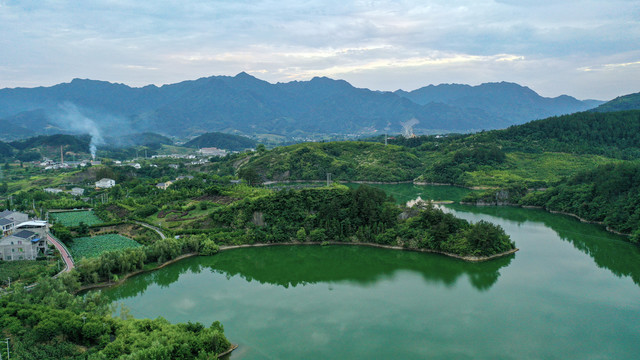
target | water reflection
[
  {"x": 609, "y": 251},
  {"x": 291, "y": 266}
]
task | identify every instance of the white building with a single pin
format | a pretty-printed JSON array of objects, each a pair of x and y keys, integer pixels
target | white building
[
  {"x": 15, "y": 216},
  {"x": 6, "y": 226},
  {"x": 105, "y": 183},
  {"x": 212, "y": 151},
  {"x": 52, "y": 190},
  {"x": 76, "y": 191},
  {"x": 23, "y": 245}
]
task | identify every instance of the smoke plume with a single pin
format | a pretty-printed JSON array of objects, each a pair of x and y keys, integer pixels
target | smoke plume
[
  {"x": 72, "y": 119},
  {"x": 407, "y": 127}
]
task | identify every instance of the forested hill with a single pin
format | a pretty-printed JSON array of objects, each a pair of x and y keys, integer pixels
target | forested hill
[
  {"x": 5, "y": 150},
  {"x": 609, "y": 194},
  {"x": 222, "y": 141},
  {"x": 627, "y": 102},
  {"x": 70, "y": 142},
  {"x": 612, "y": 134},
  {"x": 349, "y": 160}
]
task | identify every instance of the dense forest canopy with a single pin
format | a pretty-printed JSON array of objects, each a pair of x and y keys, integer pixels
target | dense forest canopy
[
  {"x": 344, "y": 160},
  {"x": 613, "y": 134},
  {"x": 621, "y": 103},
  {"x": 222, "y": 141},
  {"x": 364, "y": 214},
  {"x": 609, "y": 194}
]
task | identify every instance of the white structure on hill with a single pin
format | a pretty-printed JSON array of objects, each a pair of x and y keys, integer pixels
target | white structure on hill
[
  {"x": 105, "y": 183},
  {"x": 212, "y": 151}
]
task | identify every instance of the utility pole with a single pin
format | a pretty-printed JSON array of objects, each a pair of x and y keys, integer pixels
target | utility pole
[{"x": 328, "y": 179}]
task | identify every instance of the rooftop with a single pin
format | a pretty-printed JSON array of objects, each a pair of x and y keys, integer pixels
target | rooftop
[{"x": 24, "y": 234}]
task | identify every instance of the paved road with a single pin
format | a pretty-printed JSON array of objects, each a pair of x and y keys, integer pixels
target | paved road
[
  {"x": 66, "y": 257},
  {"x": 152, "y": 228}
]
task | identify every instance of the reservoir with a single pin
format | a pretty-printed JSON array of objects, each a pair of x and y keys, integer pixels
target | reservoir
[{"x": 571, "y": 292}]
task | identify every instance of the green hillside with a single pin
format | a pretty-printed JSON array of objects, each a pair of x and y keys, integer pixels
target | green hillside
[
  {"x": 347, "y": 160},
  {"x": 612, "y": 134},
  {"x": 222, "y": 141},
  {"x": 627, "y": 102}
]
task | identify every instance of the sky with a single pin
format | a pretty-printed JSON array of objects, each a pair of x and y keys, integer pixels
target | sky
[{"x": 586, "y": 49}]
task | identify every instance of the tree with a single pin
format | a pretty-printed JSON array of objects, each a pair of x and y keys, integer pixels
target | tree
[
  {"x": 250, "y": 175},
  {"x": 83, "y": 229},
  {"x": 301, "y": 235}
]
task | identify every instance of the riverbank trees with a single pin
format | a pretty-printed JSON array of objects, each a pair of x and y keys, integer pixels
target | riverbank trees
[{"x": 49, "y": 322}]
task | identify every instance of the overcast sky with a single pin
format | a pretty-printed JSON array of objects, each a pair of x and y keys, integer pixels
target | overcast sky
[{"x": 587, "y": 49}]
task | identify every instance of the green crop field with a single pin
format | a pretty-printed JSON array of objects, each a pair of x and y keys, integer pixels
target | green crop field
[
  {"x": 73, "y": 218},
  {"x": 96, "y": 245}
]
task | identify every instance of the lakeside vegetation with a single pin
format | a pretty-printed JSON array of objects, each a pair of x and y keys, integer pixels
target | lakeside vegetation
[
  {"x": 361, "y": 215},
  {"x": 608, "y": 194},
  {"x": 48, "y": 322}
]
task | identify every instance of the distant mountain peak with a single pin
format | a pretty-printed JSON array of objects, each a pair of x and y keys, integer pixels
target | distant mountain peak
[
  {"x": 245, "y": 75},
  {"x": 246, "y": 104}
]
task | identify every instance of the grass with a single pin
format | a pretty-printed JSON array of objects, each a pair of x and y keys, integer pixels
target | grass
[
  {"x": 32, "y": 177},
  {"x": 532, "y": 168},
  {"x": 95, "y": 245},
  {"x": 172, "y": 149},
  {"x": 73, "y": 218}
]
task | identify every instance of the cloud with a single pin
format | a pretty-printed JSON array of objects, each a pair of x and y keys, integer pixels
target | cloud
[
  {"x": 609, "y": 67},
  {"x": 159, "y": 42}
]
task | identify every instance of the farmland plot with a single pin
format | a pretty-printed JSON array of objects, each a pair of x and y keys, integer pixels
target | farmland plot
[
  {"x": 73, "y": 218},
  {"x": 95, "y": 245}
]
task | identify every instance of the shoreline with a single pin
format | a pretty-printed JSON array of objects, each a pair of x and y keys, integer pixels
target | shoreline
[
  {"x": 389, "y": 247},
  {"x": 125, "y": 277},
  {"x": 132, "y": 274},
  {"x": 606, "y": 228}
]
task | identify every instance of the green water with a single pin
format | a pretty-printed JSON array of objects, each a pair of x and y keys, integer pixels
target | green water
[{"x": 571, "y": 292}]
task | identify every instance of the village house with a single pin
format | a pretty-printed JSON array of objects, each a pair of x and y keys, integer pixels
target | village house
[
  {"x": 52, "y": 190},
  {"x": 23, "y": 245},
  {"x": 105, "y": 183},
  {"x": 76, "y": 191},
  {"x": 15, "y": 216},
  {"x": 212, "y": 151},
  {"x": 182, "y": 177},
  {"x": 164, "y": 185},
  {"x": 6, "y": 226}
]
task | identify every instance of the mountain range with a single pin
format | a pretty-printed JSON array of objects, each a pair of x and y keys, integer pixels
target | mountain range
[{"x": 243, "y": 104}]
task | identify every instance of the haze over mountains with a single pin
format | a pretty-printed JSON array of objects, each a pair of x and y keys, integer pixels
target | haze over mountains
[{"x": 243, "y": 104}]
